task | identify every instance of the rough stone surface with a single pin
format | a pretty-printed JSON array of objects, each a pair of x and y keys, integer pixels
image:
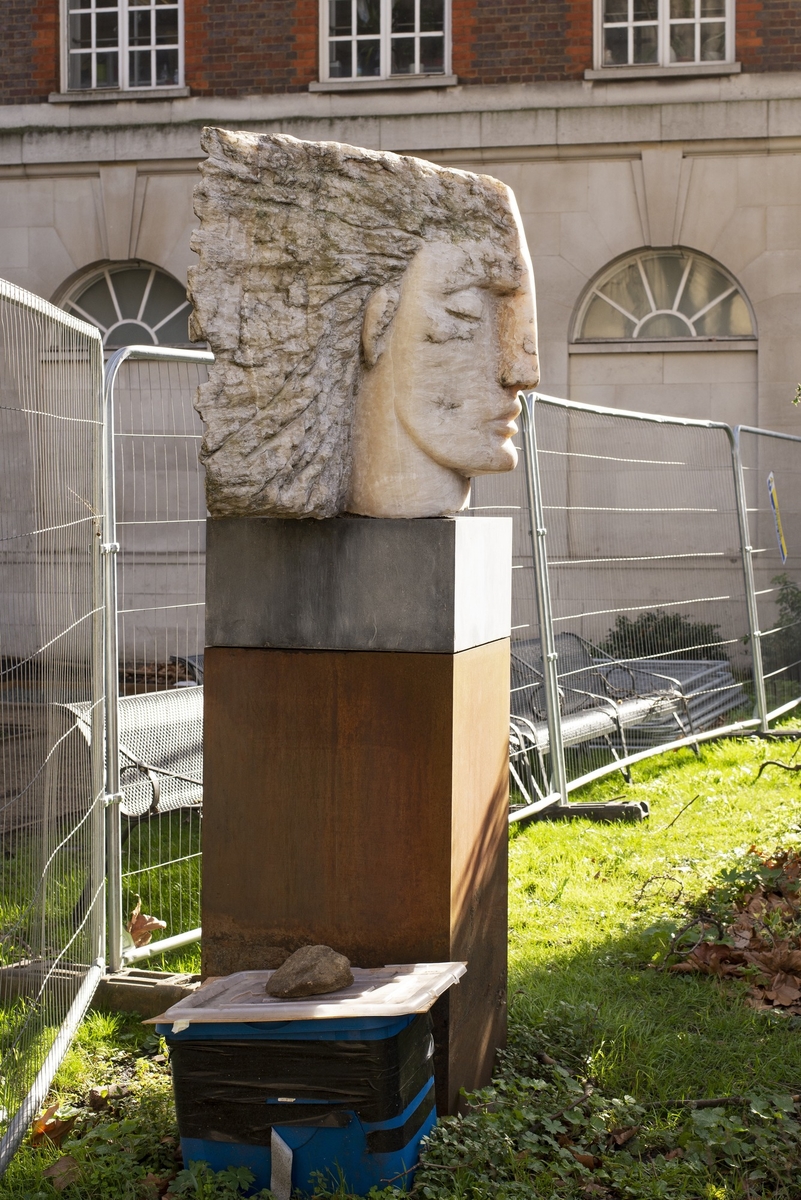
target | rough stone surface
[
  {"x": 372, "y": 318},
  {"x": 311, "y": 971}
]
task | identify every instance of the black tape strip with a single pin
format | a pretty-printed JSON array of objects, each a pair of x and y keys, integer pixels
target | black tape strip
[
  {"x": 387, "y": 1141},
  {"x": 222, "y": 1089}
]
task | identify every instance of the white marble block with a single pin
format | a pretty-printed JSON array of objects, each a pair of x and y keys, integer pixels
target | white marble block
[{"x": 372, "y": 317}]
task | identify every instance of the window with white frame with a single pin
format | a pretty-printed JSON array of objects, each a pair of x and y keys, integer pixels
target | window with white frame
[
  {"x": 378, "y": 39},
  {"x": 124, "y": 44},
  {"x": 664, "y": 33}
]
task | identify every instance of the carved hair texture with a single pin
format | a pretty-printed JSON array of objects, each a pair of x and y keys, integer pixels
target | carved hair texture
[{"x": 294, "y": 240}]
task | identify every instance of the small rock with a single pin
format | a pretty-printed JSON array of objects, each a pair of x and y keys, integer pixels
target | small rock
[{"x": 310, "y": 971}]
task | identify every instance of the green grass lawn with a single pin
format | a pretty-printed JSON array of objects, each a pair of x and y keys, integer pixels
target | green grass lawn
[{"x": 592, "y": 908}]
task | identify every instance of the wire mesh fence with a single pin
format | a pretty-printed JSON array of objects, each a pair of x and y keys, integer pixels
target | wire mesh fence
[
  {"x": 771, "y": 474},
  {"x": 161, "y": 515},
  {"x": 648, "y": 551},
  {"x": 51, "y": 788}
]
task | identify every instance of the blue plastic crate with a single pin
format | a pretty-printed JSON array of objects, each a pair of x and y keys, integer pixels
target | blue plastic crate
[{"x": 237, "y": 1083}]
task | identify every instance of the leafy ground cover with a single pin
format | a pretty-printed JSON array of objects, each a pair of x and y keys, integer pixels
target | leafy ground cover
[{"x": 623, "y": 1078}]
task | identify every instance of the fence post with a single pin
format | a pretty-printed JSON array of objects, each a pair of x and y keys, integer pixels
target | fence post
[
  {"x": 746, "y": 550},
  {"x": 558, "y": 772}
]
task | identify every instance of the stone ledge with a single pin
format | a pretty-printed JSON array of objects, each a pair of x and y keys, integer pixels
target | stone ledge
[
  {"x": 109, "y": 95},
  {"x": 397, "y": 83},
  {"x": 678, "y": 71}
]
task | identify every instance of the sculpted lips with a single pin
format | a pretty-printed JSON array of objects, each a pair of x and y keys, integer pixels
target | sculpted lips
[{"x": 505, "y": 422}]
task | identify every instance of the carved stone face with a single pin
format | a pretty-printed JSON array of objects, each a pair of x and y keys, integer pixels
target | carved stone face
[{"x": 446, "y": 354}]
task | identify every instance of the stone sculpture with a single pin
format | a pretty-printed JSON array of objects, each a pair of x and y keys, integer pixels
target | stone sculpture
[{"x": 372, "y": 317}]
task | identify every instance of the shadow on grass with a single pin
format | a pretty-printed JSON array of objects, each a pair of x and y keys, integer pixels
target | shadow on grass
[{"x": 640, "y": 1030}]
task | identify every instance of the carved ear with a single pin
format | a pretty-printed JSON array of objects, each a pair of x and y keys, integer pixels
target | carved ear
[{"x": 381, "y": 308}]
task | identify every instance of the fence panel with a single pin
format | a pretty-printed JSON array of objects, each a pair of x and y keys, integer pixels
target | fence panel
[
  {"x": 771, "y": 466},
  {"x": 646, "y": 580},
  {"x": 51, "y": 695},
  {"x": 161, "y": 514}
]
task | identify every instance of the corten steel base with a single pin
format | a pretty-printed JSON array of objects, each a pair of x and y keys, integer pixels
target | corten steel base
[{"x": 359, "y": 799}]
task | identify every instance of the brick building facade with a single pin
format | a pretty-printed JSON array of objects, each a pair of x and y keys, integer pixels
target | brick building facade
[
  {"x": 271, "y": 46},
  {"x": 621, "y": 138}
]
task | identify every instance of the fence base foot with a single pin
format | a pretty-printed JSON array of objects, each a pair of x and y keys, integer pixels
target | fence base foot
[
  {"x": 148, "y": 993},
  {"x": 627, "y": 810}
]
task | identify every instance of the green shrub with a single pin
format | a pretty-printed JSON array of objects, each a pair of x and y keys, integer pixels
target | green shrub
[{"x": 665, "y": 635}]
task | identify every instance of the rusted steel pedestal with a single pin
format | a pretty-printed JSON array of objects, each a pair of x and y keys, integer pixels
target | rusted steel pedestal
[{"x": 356, "y": 788}]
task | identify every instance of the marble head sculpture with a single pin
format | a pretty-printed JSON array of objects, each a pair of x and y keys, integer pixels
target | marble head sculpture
[{"x": 372, "y": 317}]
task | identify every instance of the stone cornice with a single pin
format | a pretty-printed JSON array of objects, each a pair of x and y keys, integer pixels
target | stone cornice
[{"x": 530, "y": 119}]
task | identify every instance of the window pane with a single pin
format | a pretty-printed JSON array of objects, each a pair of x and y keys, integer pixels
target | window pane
[
  {"x": 432, "y": 14},
  {"x": 139, "y": 28},
  {"x": 664, "y": 325},
  {"x": 645, "y": 43},
  {"x": 616, "y": 10},
  {"x": 339, "y": 14},
  {"x": 129, "y": 286},
  {"x": 664, "y": 273},
  {"x": 603, "y": 321},
  {"x": 175, "y": 330},
  {"x": 626, "y": 289},
  {"x": 704, "y": 283},
  {"x": 403, "y": 16},
  {"x": 682, "y": 43},
  {"x": 402, "y": 56},
  {"x": 713, "y": 41},
  {"x": 106, "y": 29},
  {"x": 139, "y": 68},
  {"x": 80, "y": 31},
  {"x": 165, "y": 295},
  {"x": 730, "y": 318},
  {"x": 432, "y": 50},
  {"x": 167, "y": 26},
  {"x": 339, "y": 60},
  {"x": 646, "y": 10},
  {"x": 368, "y": 58},
  {"x": 107, "y": 72},
  {"x": 368, "y": 16},
  {"x": 166, "y": 67},
  {"x": 713, "y": 8},
  {"x": 80, "y": 70},
  {"x": 616, "y": 46},
  {"x": 80, "y": 4},
  {"x": 682, "y": 8},
  {"x": 96, "y": 301},
  {"x": 129, "y": 334}
]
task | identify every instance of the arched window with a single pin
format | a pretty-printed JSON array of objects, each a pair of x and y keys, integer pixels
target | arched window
[
  {"x": 132, "y": 303},
  {"x": 664, "y": 295}
]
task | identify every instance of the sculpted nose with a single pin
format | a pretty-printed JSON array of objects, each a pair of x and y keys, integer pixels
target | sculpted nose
[{"x": 519, "y": 363}]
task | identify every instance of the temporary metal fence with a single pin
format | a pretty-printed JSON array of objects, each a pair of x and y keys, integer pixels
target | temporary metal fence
[
  {"x": 156, "y": 492},
  {"x": 51, "y": 791},
  {"x": 771, "y": 475},
  {"x": 655, "y": 557}
]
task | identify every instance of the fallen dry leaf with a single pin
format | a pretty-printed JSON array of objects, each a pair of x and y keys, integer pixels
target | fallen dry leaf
[
  {"x": 142, "y": 927},
  {"x": 63, "y": 1172},
  {"x": 621, "y": 1136},
  {"x": 50, "y": 1128},
  {"x": 586, "y": 1160},
  {"x": 671, "y": 1154}
]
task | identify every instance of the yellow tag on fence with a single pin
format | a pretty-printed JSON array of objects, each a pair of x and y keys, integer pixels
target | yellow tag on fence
[{"x": 777, "y": 517}]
